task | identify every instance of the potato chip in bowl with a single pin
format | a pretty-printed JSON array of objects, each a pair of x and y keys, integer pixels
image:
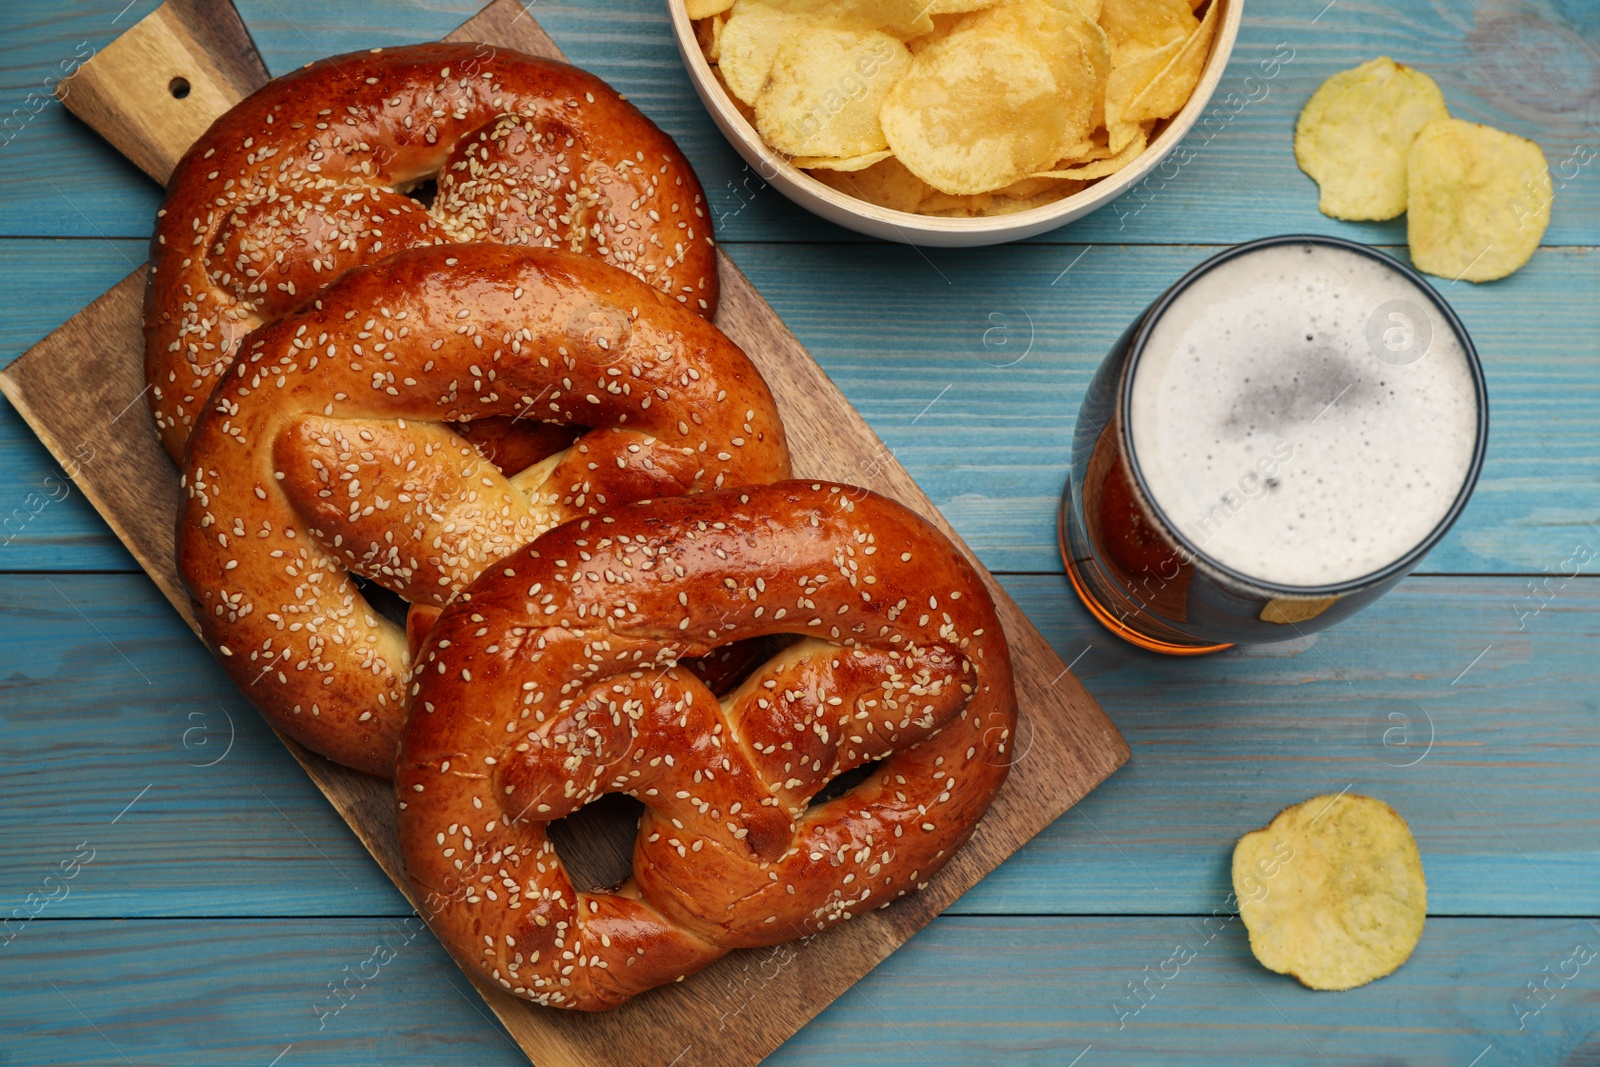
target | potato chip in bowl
[{"x": 956, "y": 108}]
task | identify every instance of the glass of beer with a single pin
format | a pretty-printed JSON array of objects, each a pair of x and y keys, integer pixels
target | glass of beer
[{"x": 1273, "y": 444}]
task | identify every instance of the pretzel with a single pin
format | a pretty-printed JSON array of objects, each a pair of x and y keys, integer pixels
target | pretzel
[
  {"x": 325, "y": 455},
  {"x": 308, "y": 176},
  {"x": 555, "y": 678}
]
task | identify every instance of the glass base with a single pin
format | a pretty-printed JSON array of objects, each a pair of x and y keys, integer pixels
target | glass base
[
  {"x": 1121, "y": 629},
  {"x": 1104, "y": 614}
]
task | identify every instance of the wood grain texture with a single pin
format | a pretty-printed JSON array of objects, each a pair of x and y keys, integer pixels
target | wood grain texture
[
  {"x": 1219, "y": 743},
  {"x": 236, "y": 993},
  {"x": 1504, "y": 802},
  {"x": 1539, "y": 80},
  {"x": 154, "y": 90},
  {"x": 66, "y": 386}
]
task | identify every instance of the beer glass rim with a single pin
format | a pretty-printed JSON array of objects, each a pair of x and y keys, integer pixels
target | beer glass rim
[{"x": 1410, "y": 559}]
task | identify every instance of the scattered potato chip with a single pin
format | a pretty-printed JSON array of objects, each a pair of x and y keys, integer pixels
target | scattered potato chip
[
  {"x": 1478, "y": 200},
  {"x": 1332, "y": 891},
  {"x": 846, "y": 163},
  {"x": 956, "y": 7},
  {"x": 825, "y": 89},
  {"x": 704, "y": 9},
  {"x": 1355, "y": 132}
]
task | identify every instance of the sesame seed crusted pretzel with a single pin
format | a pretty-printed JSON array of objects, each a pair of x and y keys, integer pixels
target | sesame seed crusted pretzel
[
  {"x": 555, "y": 679},
  {"x": 326, "y": 454},
  {"x": 308, "y": 176}
]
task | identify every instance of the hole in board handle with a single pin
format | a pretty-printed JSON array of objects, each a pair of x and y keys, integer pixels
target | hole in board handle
[{"x": 178, "y": 87}]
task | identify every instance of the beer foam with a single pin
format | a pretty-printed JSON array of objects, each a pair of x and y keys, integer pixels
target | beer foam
[{"x": 1304, "y": 415}]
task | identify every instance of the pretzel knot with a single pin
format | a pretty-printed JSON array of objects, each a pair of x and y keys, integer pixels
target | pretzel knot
[
  {"x": 554, "y": 679},
  {"x": 309, "y": 176},
  {"x": 325, "y": 455}
]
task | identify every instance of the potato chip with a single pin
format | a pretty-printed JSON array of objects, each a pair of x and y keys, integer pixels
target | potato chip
[
  {"x": 976, "y": 111},
  {"x": 1171, "y": 88},
  {"x": 1077, "y": 49},
  {"x": 1129, "y": 78},
  {"x": 825, "y": 90},
  {"x": 1136, "y": 27},
  {"x": 708, "y": 34},
  {"x": 1355, "y": 132},
  {"x": 750, "y": 43},
  {"x": 718, "y": 24},
  {"x": 1080, "y": 153},
  {"x": 954, "y": 7},
  {"x": 1026, "y": 188},
  {"x": 903, "y": 18},
  {"x": 705, "y": 35},
  {"x": 847, "y": 163},
  {"x": 978, "y": 96},
  {"x": 946, "y": 206},
  {"x": 1095, "y": 146},
  {"x": 1478, "y": 200},
  {"x": 1156, "y": 84},
  {"x": 1101, "y": 168},
  {"x": 1332, "y": 891},
  {"x": 740, "y": 106},
  {"x": 943, "y": 26},
  {"x": 1003, "y": 205},
  {"x": 887, "y": 184},
  {"x": 704, "y": 9}
]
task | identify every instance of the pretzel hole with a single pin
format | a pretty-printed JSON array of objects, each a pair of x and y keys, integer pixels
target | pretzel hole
[
  {"x": 727, "y": 667},
  {"x": 842, "y": 783},
  {"x": 595, "y": 842},
  {"x": 383, "y": 602},
  {"x": 178, "y": 87},
  {"x": 424, "y": 191}
]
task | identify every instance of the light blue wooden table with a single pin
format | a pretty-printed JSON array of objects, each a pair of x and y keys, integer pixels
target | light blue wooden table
[{"x": 214, "y": 895}]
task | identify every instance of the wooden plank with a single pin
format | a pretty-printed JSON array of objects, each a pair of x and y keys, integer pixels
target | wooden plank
[
  {"x": 991, "y": 449},
  {"x": 964, "y": 991},
  {"x": 154, "y": 63},
  {"x": 628, "y": 43},
  {"x": 66, "y": 386},
  {"x": 1250, "y": 732}
]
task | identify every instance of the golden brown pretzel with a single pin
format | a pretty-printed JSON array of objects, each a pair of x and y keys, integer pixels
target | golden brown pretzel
[
  {"x": 325, "y": 452},
  {"x": 554, "y": 679},
  {"x": 308, "y": 176}
]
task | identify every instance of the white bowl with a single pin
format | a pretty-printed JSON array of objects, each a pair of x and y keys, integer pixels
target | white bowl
[{"x": 858, "y": 215}]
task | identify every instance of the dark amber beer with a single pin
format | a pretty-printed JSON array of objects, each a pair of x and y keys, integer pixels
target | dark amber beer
[{"x": 1278, "y": 439}]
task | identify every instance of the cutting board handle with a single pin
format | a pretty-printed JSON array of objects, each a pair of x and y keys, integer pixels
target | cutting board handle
[{"x": 154, "y": 90}]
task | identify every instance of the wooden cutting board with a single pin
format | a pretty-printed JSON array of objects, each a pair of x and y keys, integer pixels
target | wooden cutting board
[{"x": 151, "y": 93}]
